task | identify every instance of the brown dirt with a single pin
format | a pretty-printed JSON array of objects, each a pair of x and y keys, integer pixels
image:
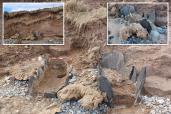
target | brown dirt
[{"x": 21, "y": 25}]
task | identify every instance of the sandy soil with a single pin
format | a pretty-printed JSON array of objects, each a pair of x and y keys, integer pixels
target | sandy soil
[{"x": 26, "y": 26}]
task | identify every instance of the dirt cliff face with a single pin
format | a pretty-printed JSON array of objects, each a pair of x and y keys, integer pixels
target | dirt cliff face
[
  {"x": 156, "y": 58},
  {"x": 31, "y": 0},
  {"x": 45, "y": 24}
]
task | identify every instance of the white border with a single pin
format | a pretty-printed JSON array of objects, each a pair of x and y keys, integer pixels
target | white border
[
  {"x": 157, "y": 3},
  {"x": 3, "y": 43}
]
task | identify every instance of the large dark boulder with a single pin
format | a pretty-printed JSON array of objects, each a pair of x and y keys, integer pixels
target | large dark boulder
[{"x": 145, "y": 24}]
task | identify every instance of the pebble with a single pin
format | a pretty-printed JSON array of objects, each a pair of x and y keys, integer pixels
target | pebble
[
  {"x": 73, "y": 79},
  {"x": 158, "y": 105},
  {"x": 74, "y": 107},
  {"x": 19, "y": 88}
]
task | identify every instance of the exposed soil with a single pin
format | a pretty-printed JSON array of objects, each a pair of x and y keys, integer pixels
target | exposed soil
[{"x": 41, "y": 26}]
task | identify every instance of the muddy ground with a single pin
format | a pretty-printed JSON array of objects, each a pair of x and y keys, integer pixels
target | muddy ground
[{"x": 84, "y": 47}]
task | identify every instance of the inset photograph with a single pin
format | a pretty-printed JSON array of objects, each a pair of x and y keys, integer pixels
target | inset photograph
[
  {"x": 0, "y": 23},
  {"x": 138, "y": 23},
  {"x": 33, "y": 23}
]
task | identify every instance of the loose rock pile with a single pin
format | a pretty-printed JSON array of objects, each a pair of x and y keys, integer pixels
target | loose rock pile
[{"x": 158, "y": 105}]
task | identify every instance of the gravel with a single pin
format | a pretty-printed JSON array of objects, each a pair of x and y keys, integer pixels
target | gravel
[
  {"x": 134, "y": 40},
  {"x": 74, "y": 107},
  {"x": 17, "y": 88},
  {"x": 158, "y": 105}
]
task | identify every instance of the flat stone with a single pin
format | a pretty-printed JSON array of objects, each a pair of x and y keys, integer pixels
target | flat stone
[
  {"x": 50, "y": 95},
  {"x": 133, "y": 74},
  {"x": 114, "y": 60},
  {"x": 140, "y": 82}
]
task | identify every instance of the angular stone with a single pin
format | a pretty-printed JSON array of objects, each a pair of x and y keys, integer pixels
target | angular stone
[
  {"x": 133, "y": 74},
  {"x": 105, "y": 86},
  {"x": 50, "y": 95},
  {"x": 114, "y": 60},
  {"x": 140, "y": 82}
]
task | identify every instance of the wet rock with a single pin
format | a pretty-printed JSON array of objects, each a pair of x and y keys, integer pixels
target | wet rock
[{"x": 114, "y": 60}]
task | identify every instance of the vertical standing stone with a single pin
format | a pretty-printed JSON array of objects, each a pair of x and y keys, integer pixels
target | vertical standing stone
[
  {"x": 133, "y": 74},
  {"x": 140, "y": 82}
]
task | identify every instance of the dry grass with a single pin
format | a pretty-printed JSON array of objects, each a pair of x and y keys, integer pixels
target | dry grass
[{"x": 80, "y": 14}]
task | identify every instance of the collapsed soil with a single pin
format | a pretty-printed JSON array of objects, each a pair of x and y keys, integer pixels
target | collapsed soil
[{"x": 41, "y": 25}]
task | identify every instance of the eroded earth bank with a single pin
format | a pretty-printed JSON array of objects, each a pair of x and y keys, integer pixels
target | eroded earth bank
[{"x": 85, "y": 76}]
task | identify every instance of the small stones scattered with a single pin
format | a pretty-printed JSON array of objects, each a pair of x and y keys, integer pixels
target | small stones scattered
[
  {"x": 19, "y": 88},
  {"x": 158, "y": 105},
  {"x": 135, "y": 40},
  {"x": 74, "y": 107}
]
